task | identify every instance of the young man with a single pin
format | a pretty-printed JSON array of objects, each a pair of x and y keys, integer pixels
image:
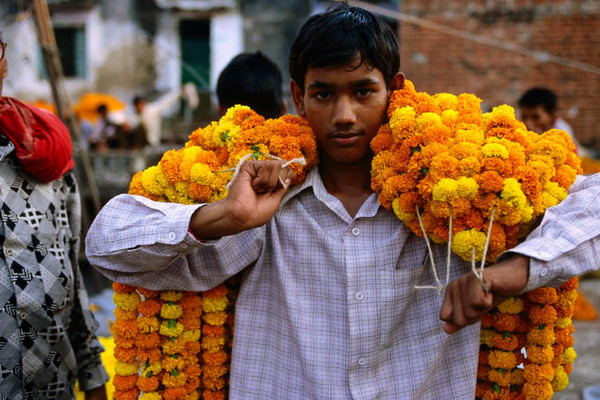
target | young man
[
  {"x": 328, "y": 307},
  {"x": 253, "y": 80},
  {"x": 539, "y": 111},
  {"x": 47, "y": 339}
]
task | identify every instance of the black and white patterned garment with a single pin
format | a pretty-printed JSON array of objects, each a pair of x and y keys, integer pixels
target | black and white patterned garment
[{"x": 47, "y": 336}]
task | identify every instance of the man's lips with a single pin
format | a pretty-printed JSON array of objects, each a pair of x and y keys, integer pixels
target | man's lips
[{"x": 346, "y": 138}]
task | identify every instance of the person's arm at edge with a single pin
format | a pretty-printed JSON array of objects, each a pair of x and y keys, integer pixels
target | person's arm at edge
[{"x": 566, "y": 244}]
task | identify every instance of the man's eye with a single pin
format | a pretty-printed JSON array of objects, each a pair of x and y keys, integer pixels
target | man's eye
[
  {"x": 364, "y": 92},
  {"x": 322, "y": 95}
]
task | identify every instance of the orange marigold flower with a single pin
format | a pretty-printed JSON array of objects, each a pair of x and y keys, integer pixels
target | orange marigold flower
[
  {"x": 501, "y": 377},
  {"x": 505, "y": 341},
  {"x": 502, "y": 359},
  {"x": 214, "y": 331},
  {"x": 539, "y": 354},
  {"x": 542, "y": 315},
  {"x": 383, "y": 140},
  {"x": 148, "y": 384},
  {"x": 564, "y": 338},
  {"x": 506, "y": 322},
  {"x": 538, "y": 391},
  {"x": 147, "y": 341},
  {"x": 538, "y": 373},
  {"x": 542, "y": 335},
  {"x": 571, "y": 284},
  {"x": 122, "y": 288},
  {"x": 152, "y": 355},
  {"x": 174, "y": 393},
  {"x": 149, "y": 308},
  {"x": 125, "y": 354},
  {"x": 213, "y": 384},
  {"x": 131, "y": 394},
  {"x": 212, "y": 395},
  {"x": 543, "y": 295},
  {"x": 216, "y": 358},
  {"x": 125, "y": 382},
  {"x": 125, "y": 328},
  {"x": 121, "y": 313}
]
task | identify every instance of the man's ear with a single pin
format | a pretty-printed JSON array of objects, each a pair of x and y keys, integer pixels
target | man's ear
[
  {"x": 397, "y": 81},
  {"x": 298, "y": 98}
]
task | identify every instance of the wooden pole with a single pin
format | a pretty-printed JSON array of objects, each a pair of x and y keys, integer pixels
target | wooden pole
[{"x": 61, "y": 100}]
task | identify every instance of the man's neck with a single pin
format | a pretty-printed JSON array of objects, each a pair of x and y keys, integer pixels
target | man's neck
[{"x": 349, "y": 183}]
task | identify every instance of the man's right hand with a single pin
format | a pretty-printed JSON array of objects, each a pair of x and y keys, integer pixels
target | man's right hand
[{"x": 253, "y": 199}]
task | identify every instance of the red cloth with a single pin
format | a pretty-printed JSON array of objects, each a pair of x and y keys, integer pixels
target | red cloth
[{"x": 42, "y": 141}]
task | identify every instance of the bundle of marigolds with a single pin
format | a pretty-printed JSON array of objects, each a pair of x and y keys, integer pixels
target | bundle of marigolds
[
  {"x": 479, "y": 182},
  {"x": 177, "y": 345}
]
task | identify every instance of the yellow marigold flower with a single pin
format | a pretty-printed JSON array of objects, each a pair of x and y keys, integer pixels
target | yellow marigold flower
[
  {"x": 170, "y": 311},
  {"x": 124, "y": 368},
  {"x": 126, "y": 301},
  {"x": 150, "y": 396},
  {"x": 171, "y": 330},
  {"x": 400, "y": 213},
  {"x": 502, "y": 115},
  {"x": 562, "y": 323},
  {"x": 561, "y": 379},
  {"x": 569, "y": 355},
  {"x": 212, "y": 304},
  {"x": 494, "y": 150},
  {"x": 191, "y": 335},
  {"x": 467, "y": 187},
  {"x": 171, "y": 295},
  {"x": 174, "y": 346},
  {"x": 553, "y": 194},
  {"x": 171, "y": 363},
  {"x": 147, "y": 324},
  {"x": 512, "y": 193},
  {"x": 449, "y": 117},
  {"x": 469, "y": 133},
  {"x": 464, "y": 242},
  {"x": 153, "y": 180},
  {"x": 512, "y": 305},
  {"x": 403, "y": 123},
  {"x": 445, "y": 190},
  {"x": 487, "y": 336},
  {"x": 555, "y": 151},
  {"x": 215, "y": 318},
  {"x": 214, "y": 371},
  {"x": 213, "y": 344}
]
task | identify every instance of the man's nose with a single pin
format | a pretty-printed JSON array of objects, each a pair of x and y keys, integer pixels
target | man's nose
[{"x": 344, "y": 112}]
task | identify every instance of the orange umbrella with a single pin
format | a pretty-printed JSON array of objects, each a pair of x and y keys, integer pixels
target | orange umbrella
[{"x": 87, "y": 108}]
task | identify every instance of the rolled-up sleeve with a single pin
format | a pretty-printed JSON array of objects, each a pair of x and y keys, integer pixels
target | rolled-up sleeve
[
  {"x": 137, "y": 241},
  {"x": 567, "y": 241}
]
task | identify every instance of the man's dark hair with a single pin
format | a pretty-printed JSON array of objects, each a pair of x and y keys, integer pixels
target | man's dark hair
[
  {"x": 337, "y": 36},
  {"x": 252, "y": 79},
  {"x": 539, "y": 97},
  {"x": 137, "y": 100}
]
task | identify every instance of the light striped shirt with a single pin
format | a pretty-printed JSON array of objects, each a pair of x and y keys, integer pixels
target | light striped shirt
[{"x": 328, "y": 307}]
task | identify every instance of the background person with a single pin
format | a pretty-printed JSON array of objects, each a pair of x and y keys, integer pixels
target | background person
[
  {"x": 253, "y": 80},
  {"x": 47, "y": 335}
]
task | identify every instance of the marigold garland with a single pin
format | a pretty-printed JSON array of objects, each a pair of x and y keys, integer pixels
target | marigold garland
[
  {"x": 480, "y": 182},
  {"x": 438, "y": 159}
]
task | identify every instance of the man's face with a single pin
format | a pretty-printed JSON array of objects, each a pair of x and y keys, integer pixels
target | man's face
[
  {"x": 537, "y": 118},
  {"x": 345, "y": 106}
]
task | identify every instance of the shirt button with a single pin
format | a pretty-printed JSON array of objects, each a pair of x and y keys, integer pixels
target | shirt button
[
  {"x": 8, "y": 252},
  {"x": 23, "y": 315},
  {"x": 544, "y": 254},
  {"x": 359, "y": 296},
  {"x": 544, "y": 272},
  {"x": 362, "y": 361},
  {"x": 355, "y": 231},
  {"x": 183, "y": 246},
  {"x": 172, "y": 236}
]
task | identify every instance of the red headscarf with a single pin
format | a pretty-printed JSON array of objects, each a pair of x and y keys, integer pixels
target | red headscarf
[{"x": 42, "y": 141}]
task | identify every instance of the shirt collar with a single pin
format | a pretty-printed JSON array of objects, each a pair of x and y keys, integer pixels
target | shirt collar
[{"x": 314, "y": 182}]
